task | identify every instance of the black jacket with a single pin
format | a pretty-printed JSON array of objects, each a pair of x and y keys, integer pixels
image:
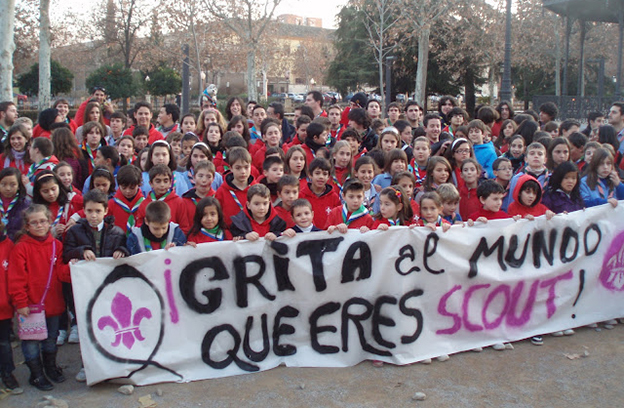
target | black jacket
[
  {"x": 80, "y": 238},
  {"x": 369, "y": 140}
]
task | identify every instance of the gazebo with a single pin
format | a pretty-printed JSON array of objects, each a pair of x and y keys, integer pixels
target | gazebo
[{"x": 608, "y": 11}]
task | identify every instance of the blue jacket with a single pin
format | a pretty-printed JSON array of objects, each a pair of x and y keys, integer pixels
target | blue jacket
[
  {"x": 136, "y": 244},
  {"x": 180, "y": 185},
  {"x": 485, "y": 155},
  {"x": 182, "y": 178},
  {"x": 594, "y": 197}
]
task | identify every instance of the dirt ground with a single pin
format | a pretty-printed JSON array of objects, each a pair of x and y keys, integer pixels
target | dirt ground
[{"x": 526, "y": 376}]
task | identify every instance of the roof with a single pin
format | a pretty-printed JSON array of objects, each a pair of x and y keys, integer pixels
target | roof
[{"x": 587, "y": 10}]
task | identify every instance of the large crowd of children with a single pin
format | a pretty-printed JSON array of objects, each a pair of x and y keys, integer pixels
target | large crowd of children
[{"x": 107, "y": 184}]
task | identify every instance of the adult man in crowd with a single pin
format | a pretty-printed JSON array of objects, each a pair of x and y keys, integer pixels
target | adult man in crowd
[
  {"x": 143, "y": 117},
  {"x": 8, "y": 114},
  {"x": 98, "y": 94},
  {"x": 413, "y": 114},
  {"x": 616, "y": 119},
  {"x": 276, "y": 111},
  {"x": 314, "y": 99},
  {"x": 168, "y": 117}
]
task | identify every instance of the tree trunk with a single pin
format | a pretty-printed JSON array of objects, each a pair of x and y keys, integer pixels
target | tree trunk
[
  {"x": 252, "y": 95},
  {"x": 7, "y": 47},
  {"x": 491, "y": 79},
  {"x": 44, "y": 55},
  {"x": 381, "y": 84},
  {"x": 469, "y": 84},
  {"x": 557, "y": 58},
  {"x": 421, "y": 71}
]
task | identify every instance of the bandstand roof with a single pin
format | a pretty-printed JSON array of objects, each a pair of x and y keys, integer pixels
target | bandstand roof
[{"x": 587, "y": 10}]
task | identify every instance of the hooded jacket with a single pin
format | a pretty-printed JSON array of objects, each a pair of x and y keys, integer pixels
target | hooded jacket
[
  {"x": 516, "y": 208},
  {"x": 321, "y": 204},
  {"x": 6, "y": 308},
  {"x": 226, "y": 193},
  {"x": 243, "y": 223}
]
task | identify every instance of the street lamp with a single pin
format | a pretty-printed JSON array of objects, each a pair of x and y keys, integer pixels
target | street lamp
[
  {"x": 389, "y": 60},
  {"x": 505, "y": 92}
]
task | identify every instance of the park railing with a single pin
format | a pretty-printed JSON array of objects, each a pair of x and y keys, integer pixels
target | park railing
[{"x": 575, "y": 107}]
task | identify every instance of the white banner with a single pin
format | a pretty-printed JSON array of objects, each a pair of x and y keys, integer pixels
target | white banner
[{"x": 321, "y": 300}]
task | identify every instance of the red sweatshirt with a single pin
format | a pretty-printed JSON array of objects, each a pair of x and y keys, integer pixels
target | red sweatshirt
[
  {"x": 6, "y": 309},
  {"x": 468, "y": 202},
  {"x": 490, "y": 215},
  {"x": 285, "y": 215},
  {"x": 322, "y": 204},
  {"x": 201, "y": 238},
  {"x": 226, "y": 193},
  {"x": 335, "y": 218},
  {"x": 29, "y": 266},
  {"x": 121, "y": 216},
  {"x": 537, "y": 209},
  {"x": 154, "y": 134},
  {"x": 190, "y": 199},
  {"x": 177, "y": 207}
]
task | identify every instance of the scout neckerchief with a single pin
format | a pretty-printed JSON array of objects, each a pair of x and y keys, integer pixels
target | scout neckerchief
[
  {"x": 394, "y": 223},
  {"x": 191, "y": 176},
  {"x": 334, "y": 134},
  {"x": 255, "y": 134},
  {"x": 5, "y": 213},
  {"x": 131, "y": 221},
  {"x": 416, "y": 171},
  {"x": 91, "y": 157},
  {"x": 34, "y": 167},
  {"x": 438, "y": 222},
  {"x": 153, "y": 196},
  {"x": 236, "y": 200},
  {"x": 341, "y": 184},
  {"x": 359, "y": 213},
  {"x": 59, "y": 214},
  {"x": 148, "y": 244},
  {"x": 215, "y": 233},
  {"x": 602, "y": 192}
]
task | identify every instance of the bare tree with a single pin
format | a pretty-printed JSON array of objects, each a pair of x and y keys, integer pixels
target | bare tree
[
  {"x": 381, "y": 17},
  {"x": 249, "y": 19},
  {"x": 7, "y": 46},
  {"x": 45, "y": 53},
  {"x": 422, "y": 15}
]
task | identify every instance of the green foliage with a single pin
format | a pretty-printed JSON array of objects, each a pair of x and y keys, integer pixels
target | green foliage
[
  {"x": 115, "y": 78},
  {"x": 61, "y": 81},
  {"x": 163, "y": 81},
  {"x": 354, "y": 64}
]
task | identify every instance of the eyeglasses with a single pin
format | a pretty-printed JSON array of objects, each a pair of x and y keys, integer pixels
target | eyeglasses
[
  {"x": 38, "y": 223},
  {"x": 463, "y": 151}
]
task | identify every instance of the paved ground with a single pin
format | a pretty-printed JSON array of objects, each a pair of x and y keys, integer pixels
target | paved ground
[{"x": 527, "y": 376}]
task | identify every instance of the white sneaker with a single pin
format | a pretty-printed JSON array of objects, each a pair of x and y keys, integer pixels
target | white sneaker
[
  {"x": 81, "y": 376},
  {"x": 499, "y": 346},
  {"x": 477, "y": 349},
  {"x": 62, "y": 336},
  {"x": 443, "y": 357},
  {"x": 557, "y": 334},
  {"x": 426, "y": 361},
  {"x": 593, "y": 326},
  {"x": 73, "y": 335},
  {"x": 611, "y": 322},
  {"x": 568, "y": 332}
]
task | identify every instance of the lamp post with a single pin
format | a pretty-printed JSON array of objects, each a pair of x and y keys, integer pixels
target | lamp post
[
  {"x": 389, "y": 60},
  {"x": 505, "y": 92}
]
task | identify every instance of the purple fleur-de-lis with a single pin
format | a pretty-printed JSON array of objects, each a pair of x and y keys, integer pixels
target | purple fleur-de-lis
[{"x": 125, "y": 325}]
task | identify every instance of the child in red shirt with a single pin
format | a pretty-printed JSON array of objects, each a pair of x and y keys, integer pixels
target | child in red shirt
[
  {"x": 394, "y": 209},
  {"x": 208, "y": 223},
  {"x": 128, "y": 197},
  {"x": 204, "y": 177},
  {"x": 320, "y": 194},
  {"x": 233, "y": 192},
  {"x": 407, "y": 181},
  {"x": 490, "y": 195},
  {"x": 353, "y": 214},
  {"x": 162, "y": 190},
  {"x": 527, "y": 199},
  {"x": 287, "y": 193},
  {"x": 469, "y": 201},
  {"x": 259, "y": 218},
  {"x": 431, "y": 212}
]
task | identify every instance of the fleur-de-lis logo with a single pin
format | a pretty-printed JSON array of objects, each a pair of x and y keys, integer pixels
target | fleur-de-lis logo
[{"x": 126, "y": 330}]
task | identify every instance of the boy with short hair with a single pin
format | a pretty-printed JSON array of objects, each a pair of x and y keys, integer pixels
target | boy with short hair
[
  {"x": 318, "y": 192},
  {"x": 485, "y": 153},
  {"x": 204, "y": 176},
  {"x": 272, "y": 172},
  {"x": 353, "y": 214},
  {"x": 577, "y": 145},
  {"x": 301, "y": 127},
  {"x": 288, "y": 193},
  {"x": 233, "y": 192},
  {"x": 528, "y": 199},
  {"x": 175, "y": 141},
  {"x": 334, "y": 114},
  {"x": 141, "y": 137},
  {"x": 160, "y": 180},
  {"x": 354, "y": 139},
  {"x": 316, "y": 139},
  {"x": 303, "y": 217},
  {"x": 258, "y": 219},
  {"x": 157, "y": 231},
  {"x": 450, "y": 203},
  {"x": 418, "y": 166},
  {"x": 535, "y": 166},
  {"x": 40, "y": 151},
  {"x": 186, "y": 145},
  {"x": 128, "y": 197},
  {"x": 117, "y": 127},
  {"x": 490, "y": 195}
]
